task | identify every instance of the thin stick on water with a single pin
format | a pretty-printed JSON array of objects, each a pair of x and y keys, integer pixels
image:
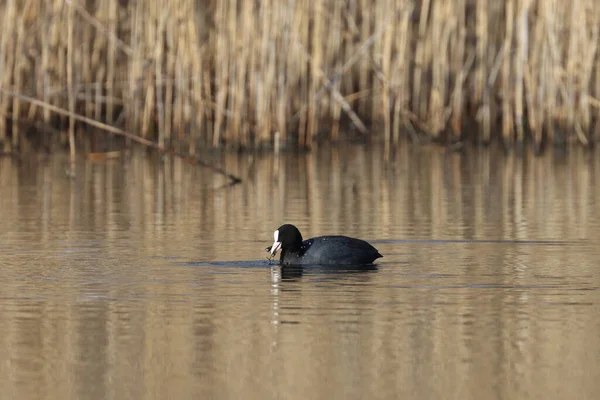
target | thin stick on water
[{"x": 137, "y": 139}]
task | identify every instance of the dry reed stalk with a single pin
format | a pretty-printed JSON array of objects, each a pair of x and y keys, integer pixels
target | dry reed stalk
[
  {"x": 222, "y": 21},
  {"x": 588, "y": 52},
  {"x": 231, "y": 50},
  {"x": 98, "y": 55},
  {"x": 551, "y": 69},
  {"x": 480, "y": 94},
  {"x": 596, "y": 88},
  {"x": 541, "y": 93},
  {"x": 44, "y": 77},
  {"x": 30, "y": 15},
  {"x": 150, "y": 38},
  {"x": 441, "y": 25},
  {"x": 596, "y": 103},
  {"x": 460, "y": 66},
  {"x": 98, "y": 64},
  {"x": 243, "y": 69},
  {"x": 293, "y": 72},
  {"x": 559, "y": 50},
  {"x": 58, "y": 51},
  {"x": 249, "y": 96},
  {"x": 260, "y": 56},
  {"x": 135, "y": 70},
  {"x": 401, "y": 74},
  {"x": 177, "y": 91},
  {"x": 149, "y": 113},
  {"x": 507, "y": 111},
  {"x": 316, "y": 66},
  {"x": 520, "y": 60},
  {"x": 37, "y": 10},
  {"x": 267, "y": 50},
  {"x": 86, "y": 70},
  {"x": 571, "y": 67},
  {"x": 333, "y": 45},
  {"x": 364, "y": 14},
  {"x": 111, "y": 58},
  {"x": 532, "y": 86},
  {"x": 71, "y": 85},
  {"x": 19, "y": 70},
  {"x": 301, "y": 27},
  {"x": 98, "y": 89},
  {"x": 181, "y": 97},
  {"x": 208, "y": 94},
  {"x": 417, "y": 104},
  {"x": 336, "y": 112},
  {"x": 282, "y": 86},
  {"x": 171, "y": 30},
  {"x": 161, "y": 19},
  {"x": 264, "y": 128},
  {"x": 374, "y": 57},
  {"x": 386, "y": 58},
  {"x": 7, "y": 60},
  {"x": 197, "y": 75}
]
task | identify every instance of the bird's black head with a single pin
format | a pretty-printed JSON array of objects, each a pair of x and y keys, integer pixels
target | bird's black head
[{"x": 286, "y": 238}]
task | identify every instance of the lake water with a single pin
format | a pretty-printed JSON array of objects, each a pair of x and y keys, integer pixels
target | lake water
[{"x": 137, "y": 280}]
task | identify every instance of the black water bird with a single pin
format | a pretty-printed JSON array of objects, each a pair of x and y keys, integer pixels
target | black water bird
[{"x": 322, "y": 250}]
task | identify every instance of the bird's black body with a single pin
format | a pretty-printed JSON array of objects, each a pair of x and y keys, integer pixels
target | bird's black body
[{"x": 322, "y": 250}]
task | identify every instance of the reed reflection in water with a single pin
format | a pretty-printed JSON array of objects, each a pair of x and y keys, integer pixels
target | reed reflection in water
[{"x": 144, "y": 281}]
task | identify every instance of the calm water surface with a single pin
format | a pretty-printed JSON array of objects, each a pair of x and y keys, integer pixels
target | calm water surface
[{"x": 141, "y": 281}]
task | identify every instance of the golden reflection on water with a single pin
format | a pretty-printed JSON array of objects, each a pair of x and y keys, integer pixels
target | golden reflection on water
[{"x": 138, "y": 281}]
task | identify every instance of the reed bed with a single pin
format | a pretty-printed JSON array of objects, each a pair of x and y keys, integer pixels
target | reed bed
[{"x": 276, "y": 74}]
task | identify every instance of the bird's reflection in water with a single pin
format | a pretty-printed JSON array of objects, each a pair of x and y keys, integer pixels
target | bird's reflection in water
[
  {"x": 286, "y": 280},
  {"x": 296, "y": 272}
]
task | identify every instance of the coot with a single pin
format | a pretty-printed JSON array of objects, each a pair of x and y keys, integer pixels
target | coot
[{"x": 324, "y": 250}]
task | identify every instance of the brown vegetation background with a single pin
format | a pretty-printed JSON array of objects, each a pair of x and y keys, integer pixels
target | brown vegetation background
[{"x": 250, "y": 74}]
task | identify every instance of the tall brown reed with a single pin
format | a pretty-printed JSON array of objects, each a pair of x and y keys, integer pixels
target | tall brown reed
[{"x": 235, "y": 73}]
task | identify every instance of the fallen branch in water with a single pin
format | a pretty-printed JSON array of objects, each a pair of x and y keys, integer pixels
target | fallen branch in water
[{"x": 148, "y": 143}]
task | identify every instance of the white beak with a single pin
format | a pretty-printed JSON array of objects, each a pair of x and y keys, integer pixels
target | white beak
[
  {"x": 275, "y": 248},
  {"x": 276, "y": 244}
]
